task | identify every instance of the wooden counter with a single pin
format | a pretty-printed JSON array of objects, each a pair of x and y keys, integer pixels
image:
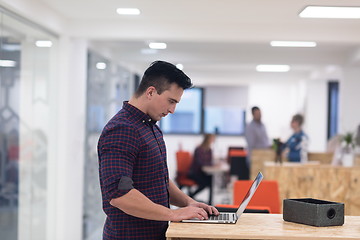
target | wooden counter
[
  {"x": 326, "y": 182},
  {"x": 264, "y": 226},
  {"x": 260, "y": 156}
]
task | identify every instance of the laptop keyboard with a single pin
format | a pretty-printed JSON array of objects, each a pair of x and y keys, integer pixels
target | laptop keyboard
[{"x": 221, "y": 216}]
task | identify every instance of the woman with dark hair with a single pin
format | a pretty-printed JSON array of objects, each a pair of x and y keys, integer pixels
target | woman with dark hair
[{"x": 202, "y": 157}]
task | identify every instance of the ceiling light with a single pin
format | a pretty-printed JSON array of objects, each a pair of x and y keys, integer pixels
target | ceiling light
[
  {"x": 128, "y": 11},
  {"x": 11, "y": 47},
  {"x": 43, "y": 43},
  {"x": 101, "y": 65},
  {"x": 292, "y": 44},
  {"x": 272, "y": 68},
  {"x": 180, "y": 66},
  {"x": 330, "y": 12},
  {"x": 7, "y": 63},
  {"x": 157, "y": 45}
]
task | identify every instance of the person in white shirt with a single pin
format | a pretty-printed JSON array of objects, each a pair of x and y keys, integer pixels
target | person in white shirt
[{"x": 255, "y": 134}]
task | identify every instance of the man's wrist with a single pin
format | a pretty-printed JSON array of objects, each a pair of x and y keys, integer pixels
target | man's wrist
[{"x": 190, "y": 201}]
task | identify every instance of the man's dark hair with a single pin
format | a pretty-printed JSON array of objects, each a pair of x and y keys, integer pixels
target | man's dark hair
[
  {"x": 161, "y": 74},
  {"x": 255, "y": 108}
]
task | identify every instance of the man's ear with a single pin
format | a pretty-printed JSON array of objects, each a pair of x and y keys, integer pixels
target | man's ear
[{"x": 150, "y": 91}]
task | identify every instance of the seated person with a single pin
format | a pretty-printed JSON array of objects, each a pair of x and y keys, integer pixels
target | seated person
[
  {"x": 296, "y": 145},
  {"x": 202, "y": 157}
]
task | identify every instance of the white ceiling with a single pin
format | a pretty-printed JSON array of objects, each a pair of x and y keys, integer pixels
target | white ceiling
[{"x": 215, "y": 40}]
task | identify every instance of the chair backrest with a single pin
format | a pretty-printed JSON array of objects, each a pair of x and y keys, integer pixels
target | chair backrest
[
  {"x": 236, "y": 152},
  {"x": 238, "y": 164},
  {"x": 184, "y": 161},
  {"x": 267, "y": 194}
]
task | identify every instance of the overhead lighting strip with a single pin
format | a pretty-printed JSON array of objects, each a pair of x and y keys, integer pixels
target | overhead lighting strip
[
  {"x": 128, "y": 11},
  {"x": 330, "y": 12},
  {"x": 292, "y": 44},
  {"x": 157, "y": 45},
  {"x": 272, "y": 68}
]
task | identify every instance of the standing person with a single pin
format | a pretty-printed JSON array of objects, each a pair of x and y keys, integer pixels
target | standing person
[
  {"x": 202, "y": 157},
  {"x": 135, "y": 185},
  {"x": 296, "y": 145},
  {"x": 255, "y": 133}
]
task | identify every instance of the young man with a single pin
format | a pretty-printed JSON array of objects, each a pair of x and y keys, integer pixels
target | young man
[
  {"x": 255, "y": 133},
  {"x": 135, "y": 184}
]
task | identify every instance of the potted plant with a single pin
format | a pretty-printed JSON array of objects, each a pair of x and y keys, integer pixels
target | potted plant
[{"x": 348, "y": 146}]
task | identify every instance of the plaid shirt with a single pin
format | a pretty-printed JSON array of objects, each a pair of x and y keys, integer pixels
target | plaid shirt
[{"x": 132, "y": 145}]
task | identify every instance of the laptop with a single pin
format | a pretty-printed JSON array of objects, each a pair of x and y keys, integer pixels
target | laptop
[{"x": 230, "y": 217}]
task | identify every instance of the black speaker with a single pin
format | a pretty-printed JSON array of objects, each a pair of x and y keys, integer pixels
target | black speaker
[{"x": 313, "y": 212}]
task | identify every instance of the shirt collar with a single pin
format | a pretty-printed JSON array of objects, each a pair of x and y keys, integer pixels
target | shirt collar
[{"x": 137, "y": 114}]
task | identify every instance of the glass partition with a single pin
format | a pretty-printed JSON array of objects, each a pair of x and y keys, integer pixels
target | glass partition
[
  {"x": 108, "y": 85},
  {"x": 26, "y": 75}
]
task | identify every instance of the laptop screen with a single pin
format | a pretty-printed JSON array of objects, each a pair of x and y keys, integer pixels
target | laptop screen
[{"x": 249, "y": 194}]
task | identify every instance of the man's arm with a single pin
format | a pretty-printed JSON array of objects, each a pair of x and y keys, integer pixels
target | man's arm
[{"x": 137, "y": 204}]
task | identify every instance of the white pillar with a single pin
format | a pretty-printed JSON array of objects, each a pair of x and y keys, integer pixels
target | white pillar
[
  {"x": 71, "y": 134},
  {"x": 349, "y": 100}
]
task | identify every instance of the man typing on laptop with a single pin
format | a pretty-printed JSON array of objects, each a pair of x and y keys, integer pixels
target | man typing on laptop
[{"x": 135, "y": 184}]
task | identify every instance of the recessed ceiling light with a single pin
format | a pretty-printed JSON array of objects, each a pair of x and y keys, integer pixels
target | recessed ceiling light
[
  {"x": 292, "y": 44},
  {"x": 128, "y": 11},
  {"x": 11, "y": 47},
  {"x": 180, "y": 66},
  {"x": 43, "y": 43},
  {"x": 101, "y": 65},
  {"x": 330, "y": 12},
  {"x": 7, "y": 63},
  {"x": 272, "y": 68},
  {"x": 157, "y": 45}
]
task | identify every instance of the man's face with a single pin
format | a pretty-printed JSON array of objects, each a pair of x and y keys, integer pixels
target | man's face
[
  {"x": 257, "y": 115},
  {"x": 165, "y": 103}
]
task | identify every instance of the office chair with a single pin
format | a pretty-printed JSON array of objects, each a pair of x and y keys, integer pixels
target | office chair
[
  {"x": 238, "y": 164},
  {"x": 266, "y": 197},
  {"x": 184, "y": 160}
]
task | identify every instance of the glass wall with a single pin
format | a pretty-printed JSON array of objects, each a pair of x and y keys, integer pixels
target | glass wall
[
  {"x": 27, "y": 63},
  {"x": 108, "y": 85},
  {"x": 187, "y": 118}
]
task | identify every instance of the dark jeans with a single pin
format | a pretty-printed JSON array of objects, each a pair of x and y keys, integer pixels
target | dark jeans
[{"x": 203, "y": 181}]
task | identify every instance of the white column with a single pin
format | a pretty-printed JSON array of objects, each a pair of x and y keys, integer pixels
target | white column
[
  {"x": 316, "y": 114},
  {"x": 71, "y": 134},
  {"x": 349, "y": 100}
]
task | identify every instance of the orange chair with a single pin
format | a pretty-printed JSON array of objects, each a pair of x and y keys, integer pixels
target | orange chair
[
  {"x": 184, "y": 160},
  {"x": 267, "y": 195}
]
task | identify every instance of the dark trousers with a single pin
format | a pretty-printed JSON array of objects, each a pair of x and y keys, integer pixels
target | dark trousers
[{"x": 203, "y": 181}]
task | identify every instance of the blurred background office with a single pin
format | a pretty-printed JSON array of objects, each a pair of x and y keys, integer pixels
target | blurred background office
[{"x": 66, "y": 66}]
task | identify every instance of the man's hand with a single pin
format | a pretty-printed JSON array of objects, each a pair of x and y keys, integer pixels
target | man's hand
[
  {"x": 194, "y": 210},
  {"x": 209, "y": 209},
  {"x": 189, "y": 213}
]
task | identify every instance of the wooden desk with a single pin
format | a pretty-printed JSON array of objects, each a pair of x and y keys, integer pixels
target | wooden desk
[{"x": 263, "y": 226}]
